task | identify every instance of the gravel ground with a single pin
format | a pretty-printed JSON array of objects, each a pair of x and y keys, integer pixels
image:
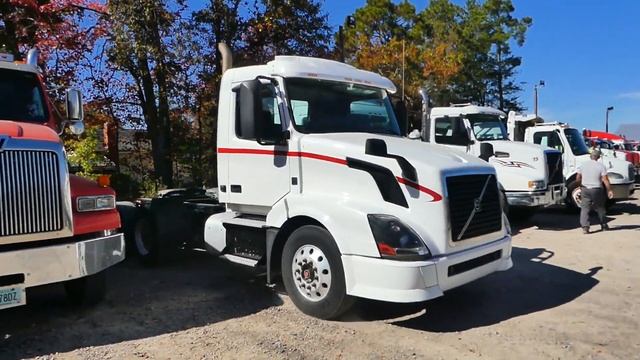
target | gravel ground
[{"x": 568, "y": 296}]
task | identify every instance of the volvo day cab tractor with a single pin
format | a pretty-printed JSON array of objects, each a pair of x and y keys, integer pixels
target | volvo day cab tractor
[
  {"x": 321, "y": 187},
  {"x": 54, "y": 227},
  {"x": 318, "y": 188},
  {"x": 532, "y": 129},
  {"x": 529, "y": 176}
]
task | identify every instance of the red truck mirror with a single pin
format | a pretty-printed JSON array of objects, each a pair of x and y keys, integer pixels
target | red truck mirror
[
  {"x": 75, "y": 113},
  {"x": 74, "y": 105}
]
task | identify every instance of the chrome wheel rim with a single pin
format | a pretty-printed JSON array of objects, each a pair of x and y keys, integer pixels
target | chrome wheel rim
[
  {"x": 576, "y": 195},
  {"x": 311, "y": 273}
]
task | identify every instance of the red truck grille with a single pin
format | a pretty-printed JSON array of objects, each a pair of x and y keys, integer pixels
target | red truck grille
[{"x": 30, "y": 192}]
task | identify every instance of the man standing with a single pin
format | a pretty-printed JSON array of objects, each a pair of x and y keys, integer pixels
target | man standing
[{"x": 591, "y": 176}]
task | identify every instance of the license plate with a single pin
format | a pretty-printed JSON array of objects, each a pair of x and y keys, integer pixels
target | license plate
[{"x": 11, "y": 296}]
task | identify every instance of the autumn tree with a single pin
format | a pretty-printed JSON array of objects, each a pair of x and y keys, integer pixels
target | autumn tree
[
  {"x": 442, "y": 53},
  {"x": 285, "y": 27},
  {"x": 142, "y": 46}
]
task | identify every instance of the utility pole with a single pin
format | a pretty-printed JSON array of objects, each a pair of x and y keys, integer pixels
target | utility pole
[
  {"x": 350, "y": 22},
  {"x": 606, "y": 120},
  {"x": 402, "y": 69},
  {"x": 535, "y": 95},
  {"x": 341, "y": 42}
]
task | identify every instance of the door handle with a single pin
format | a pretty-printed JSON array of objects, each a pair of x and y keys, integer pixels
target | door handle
[{"x": 236, "y": 188}]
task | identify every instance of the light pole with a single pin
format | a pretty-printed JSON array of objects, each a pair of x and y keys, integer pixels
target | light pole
[
  {"x": 350, "y": 21},
  {"x": 535, "y": 95},
  {"x": 606, "y": 121}
]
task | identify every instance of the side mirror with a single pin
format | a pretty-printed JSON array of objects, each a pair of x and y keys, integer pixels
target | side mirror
[
  {"x": 250, "y": 109},
  {"x": 486, "y": 151},
  {"x": 74, "y": 105},
  {"x": 254, "y": 122},
  {"x": 400, "y": 109},
  {"x": 76, "y": 127},
  {"x": 414, "y": 134}
]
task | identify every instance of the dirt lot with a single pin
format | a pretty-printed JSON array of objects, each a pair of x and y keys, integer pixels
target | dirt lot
[{"x": 568, "y": 296}]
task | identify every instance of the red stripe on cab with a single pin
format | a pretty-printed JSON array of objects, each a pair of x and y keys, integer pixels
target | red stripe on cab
[{"x": 436, "y": 197}]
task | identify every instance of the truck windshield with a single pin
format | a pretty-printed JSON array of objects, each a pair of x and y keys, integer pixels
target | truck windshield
[
  {"x": 21, "y": 97},
  {"x": 487, "y": 127},
  {"x": 576, "y": 142},
  {"x": 322, "y": 106}
]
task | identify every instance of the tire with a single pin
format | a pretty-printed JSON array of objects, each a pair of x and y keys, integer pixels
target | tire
[
  {"x": 146, "y": 244},
  {"x": 88, "y": 290},
  {"x": 573, "y": 195},
  {"x": 129, "y": 215},
  {"x": 316, "y": 256}
]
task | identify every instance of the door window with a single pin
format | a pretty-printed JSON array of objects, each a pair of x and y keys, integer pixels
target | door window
[
  {"x": 451, "y": 130},
  {"x": 270, "y": 113},
  {"x": 549, "y": 139}
]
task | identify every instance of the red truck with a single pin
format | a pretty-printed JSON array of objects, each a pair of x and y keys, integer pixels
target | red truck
[{"x": 54, "y": 226}]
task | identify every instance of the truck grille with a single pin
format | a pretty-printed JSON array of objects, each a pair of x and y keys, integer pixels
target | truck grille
[
  {"x": 30, "y": 194},
  {"x": 554, "y": 168},
  {"x": 464, "y": 196}
]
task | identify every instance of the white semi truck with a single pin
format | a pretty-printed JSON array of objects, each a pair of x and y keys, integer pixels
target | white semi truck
[
  {"x": 317, "y": 185},
  {"x": 530, "y": 176},
  {"x": 570, "y": 142}
]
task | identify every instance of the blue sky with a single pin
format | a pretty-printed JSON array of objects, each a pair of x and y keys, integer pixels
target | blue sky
[{"x": 586, "y": 51}]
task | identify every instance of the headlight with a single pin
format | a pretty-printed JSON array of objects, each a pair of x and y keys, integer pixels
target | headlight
[
  {"x": 615, "y": 176},
  {"x": 95, "y": 203},
  {"x": 396, "y": 240},
  {"x": 537, "y": 185}
]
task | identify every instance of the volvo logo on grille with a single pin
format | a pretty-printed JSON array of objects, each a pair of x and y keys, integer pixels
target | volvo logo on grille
[
  {"x": 2, "y": 140},
  {"x": 477, "y": 205}
]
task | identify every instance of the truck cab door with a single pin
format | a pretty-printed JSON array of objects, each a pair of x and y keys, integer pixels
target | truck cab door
[
  {"x": 452, "y": 132},
  {"x": 258, "y": 169},
  {"x": 552, "y": 138}
]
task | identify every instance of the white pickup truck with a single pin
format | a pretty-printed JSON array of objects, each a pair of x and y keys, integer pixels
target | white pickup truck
[
  {"x": 529, "y": 176},
  {"x": 568, "y": 140},
  {"x": 318, "y": 185}
]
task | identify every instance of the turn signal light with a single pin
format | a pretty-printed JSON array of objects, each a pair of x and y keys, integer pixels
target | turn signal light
[{"x": 104, "y": 180}]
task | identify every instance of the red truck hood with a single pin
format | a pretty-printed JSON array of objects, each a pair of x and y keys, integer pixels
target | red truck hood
[{"x": 28, "y": 131}]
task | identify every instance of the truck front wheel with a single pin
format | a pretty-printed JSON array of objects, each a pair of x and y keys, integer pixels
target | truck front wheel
[
  {"x": 88, "y": 290},
  {"x": 574, "y": 195},
  {"x": 313, "y": 275}
]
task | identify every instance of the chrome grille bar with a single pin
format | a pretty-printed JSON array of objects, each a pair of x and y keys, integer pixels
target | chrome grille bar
[{"x": 30, "y": 192}]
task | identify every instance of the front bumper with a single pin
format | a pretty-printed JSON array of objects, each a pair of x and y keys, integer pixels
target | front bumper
[
  {"x": 622, "y": 191},
  {"x": 51, "y": 264},
  {"x": 554, "y": 195},
  {"x": 403, "y": 282}
]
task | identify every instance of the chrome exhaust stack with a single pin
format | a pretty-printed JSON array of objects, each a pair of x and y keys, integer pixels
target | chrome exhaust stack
[
  {"x": 227, "y": 57},
  {"x": 426, "y": 120},
  {"x": 32, "y": 57}
]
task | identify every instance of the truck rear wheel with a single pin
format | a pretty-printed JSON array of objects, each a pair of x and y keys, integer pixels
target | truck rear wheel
[
  {"x": 148, "y": 245},
  {"x": 88, "y": 290},
  {"x": 313, "y": 275}
]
